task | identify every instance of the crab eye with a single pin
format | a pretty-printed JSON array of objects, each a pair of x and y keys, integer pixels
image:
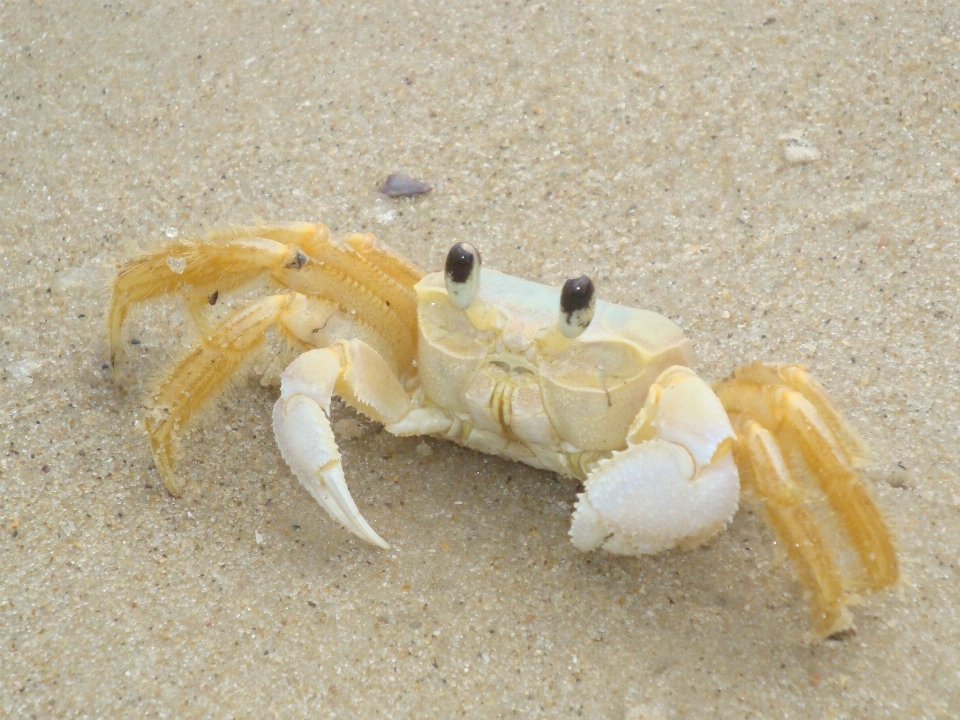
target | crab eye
[
  {"x": 577, "y": 302},
  {"x": 462, "y": 274}
]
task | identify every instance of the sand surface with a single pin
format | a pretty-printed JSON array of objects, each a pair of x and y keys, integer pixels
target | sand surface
[{"x": 781, "y": 181}]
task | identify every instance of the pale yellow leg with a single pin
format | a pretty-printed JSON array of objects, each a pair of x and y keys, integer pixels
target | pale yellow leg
[
  {"x": 358, "y": 275},
  {"x": 797, "y": 452},
  {"x": 202, "y": 373},
  {"x": 763, "y": 470},
  {"x": 797, "y": 378},
  {"x": 206, "y": 266},
  {"x": 846, "y": 492},
  {"x": 390, "y": 261}
]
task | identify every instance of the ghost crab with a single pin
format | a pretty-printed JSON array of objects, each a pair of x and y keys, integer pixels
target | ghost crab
[{"x": 552, "y": 378}]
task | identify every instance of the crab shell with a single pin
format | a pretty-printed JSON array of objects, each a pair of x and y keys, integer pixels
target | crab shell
[{"x": 505, "y": 363}]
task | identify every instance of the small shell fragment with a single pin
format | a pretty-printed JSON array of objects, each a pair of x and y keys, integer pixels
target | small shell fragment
[
  {"x": 799, "y": 151},
  {"x": 402, "y": 185},
  {"x": 176, "y": 264}
]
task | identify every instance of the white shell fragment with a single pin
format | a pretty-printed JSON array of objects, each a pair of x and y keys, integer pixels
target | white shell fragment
[
  {"x": 177, "y": 264},
  {"x": 799, "y": 154},
  {"x": 799, "y": 150}
]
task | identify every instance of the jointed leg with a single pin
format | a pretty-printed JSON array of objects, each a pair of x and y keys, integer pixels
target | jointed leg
[
  {"x": 359, "y": 275},
  {"x": 353, "y": 295},
  {"x": 202, "y": 373},
  {"x": 763, "y": 470},
  {"x": 796, "y": 451},
  {"x": 797, "y": 378},
  {"x": 212, "y": 266},
  {"x": 845, "y": 491},
  {"x": 350, "y": 368}
]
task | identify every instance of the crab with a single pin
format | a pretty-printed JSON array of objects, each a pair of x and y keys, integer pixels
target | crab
[{"x": 551, "y": 377}]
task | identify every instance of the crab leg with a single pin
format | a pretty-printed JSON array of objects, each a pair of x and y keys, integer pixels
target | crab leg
[
  {"x": 797, "y": 378},
  {"x": 354, "y": 288},
  {"x": 209, "y": 366},
  {"x": 202, "y": 373},
  {"x": 384, "y": 311},
  {"x": 795, "y": 451},
  {"x": 846, "y": 493},
  {"x": 339, "y": 272},
  {"x": 301, "y": 422},
  {"x": 762, "y": 468},
  {"x": 816, "y": 454},
  {"x": 221, "y": 265}
]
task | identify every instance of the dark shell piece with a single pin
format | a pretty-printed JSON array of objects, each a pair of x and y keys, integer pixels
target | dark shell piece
[{"x": 401, "y": 185}]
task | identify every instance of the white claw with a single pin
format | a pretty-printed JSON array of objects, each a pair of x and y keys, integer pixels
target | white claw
[
  {"x": 306, "y": 441},
  {"x": 687, "y": 412},
  {"x": 678, "y": 485}
]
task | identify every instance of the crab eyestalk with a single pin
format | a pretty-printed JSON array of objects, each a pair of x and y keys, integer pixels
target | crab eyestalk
[
  {"x": 578, "y": 301},
  {"x": 462, "y": 274}
]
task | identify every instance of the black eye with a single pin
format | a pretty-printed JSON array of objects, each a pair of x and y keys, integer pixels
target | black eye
[
  {"x": 577, "y": 302},
  {"x": 462, "y": 274}
]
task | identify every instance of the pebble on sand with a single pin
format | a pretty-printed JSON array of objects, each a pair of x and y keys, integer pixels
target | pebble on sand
[{"x": 401, "y": 185}]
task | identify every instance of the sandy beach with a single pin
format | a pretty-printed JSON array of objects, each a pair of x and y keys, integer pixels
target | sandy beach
[{"x": 782, "y": 180}]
